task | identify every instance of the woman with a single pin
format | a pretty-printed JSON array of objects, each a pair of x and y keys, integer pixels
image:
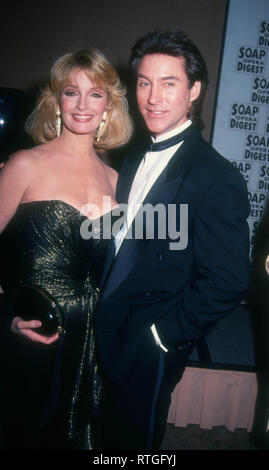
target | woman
[{"x": 54, "y": 396}]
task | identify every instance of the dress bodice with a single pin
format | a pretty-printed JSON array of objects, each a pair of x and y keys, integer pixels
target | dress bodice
[{"x": 43, "y": 245}]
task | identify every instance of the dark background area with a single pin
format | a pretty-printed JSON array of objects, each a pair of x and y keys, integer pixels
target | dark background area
[{"x": 35, "y": 33}]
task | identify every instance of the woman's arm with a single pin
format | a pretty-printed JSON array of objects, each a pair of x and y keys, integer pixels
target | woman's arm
[{"x": 15, "y": 178}]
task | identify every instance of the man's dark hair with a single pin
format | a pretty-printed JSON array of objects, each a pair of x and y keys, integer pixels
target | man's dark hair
[{"x": 177, "y": 44}]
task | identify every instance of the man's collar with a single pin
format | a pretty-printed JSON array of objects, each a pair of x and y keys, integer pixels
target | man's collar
[{"x": 172, "y": 133}]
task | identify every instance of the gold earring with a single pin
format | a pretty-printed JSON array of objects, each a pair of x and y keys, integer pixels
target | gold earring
[
  {"x": 58, "y": 122},
  {"x": 101, "y": 126}
]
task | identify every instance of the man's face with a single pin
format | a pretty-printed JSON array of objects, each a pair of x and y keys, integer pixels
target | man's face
[{"x": 163, "y": 93}]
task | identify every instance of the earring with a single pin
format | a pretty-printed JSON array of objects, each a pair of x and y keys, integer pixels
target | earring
[
  {"x": 58, "y": 122},
  {"x": 101, "y": 126}
]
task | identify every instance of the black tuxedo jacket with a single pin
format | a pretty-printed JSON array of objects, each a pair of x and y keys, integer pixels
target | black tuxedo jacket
[{"x": 183, "y": 292}]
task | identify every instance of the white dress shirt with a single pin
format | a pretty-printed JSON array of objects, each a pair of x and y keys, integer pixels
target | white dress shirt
[{"x": 148, "y": 171}]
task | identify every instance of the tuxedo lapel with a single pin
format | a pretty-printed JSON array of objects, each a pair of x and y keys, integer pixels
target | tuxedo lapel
[
  {"x": 110, "y": 255},
  {"x": 126, "y": 177},
  {"x": 164, "y": 191},
  {"x": 128, "y": 172}
]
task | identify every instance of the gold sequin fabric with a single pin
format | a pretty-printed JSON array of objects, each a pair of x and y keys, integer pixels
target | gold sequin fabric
[{"x": 42, "y": 245}]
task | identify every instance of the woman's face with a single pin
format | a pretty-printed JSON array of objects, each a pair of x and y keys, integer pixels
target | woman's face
[{"x": 82, "y": 104}]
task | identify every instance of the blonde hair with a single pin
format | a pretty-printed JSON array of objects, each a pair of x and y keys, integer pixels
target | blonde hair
[{"x": 117, "y": 129}]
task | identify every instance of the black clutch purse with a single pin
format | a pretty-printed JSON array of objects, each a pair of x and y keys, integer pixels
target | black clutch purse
[{"x": 34, "y": 303}]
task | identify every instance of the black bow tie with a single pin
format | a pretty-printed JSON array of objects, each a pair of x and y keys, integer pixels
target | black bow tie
[{"x": 165, "y": 144}]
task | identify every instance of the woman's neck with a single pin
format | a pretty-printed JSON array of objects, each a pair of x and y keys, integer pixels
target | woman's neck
[{"x": 79, "y": 145}]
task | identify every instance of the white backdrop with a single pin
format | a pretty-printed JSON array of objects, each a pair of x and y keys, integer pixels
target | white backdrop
[{"x": 241, "y": 126}]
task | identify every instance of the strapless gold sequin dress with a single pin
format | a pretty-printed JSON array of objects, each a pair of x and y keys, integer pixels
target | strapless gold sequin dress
[{"x": 58, "y": 388}]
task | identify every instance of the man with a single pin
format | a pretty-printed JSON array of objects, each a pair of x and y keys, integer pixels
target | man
[{"x": 160, "y": 296}]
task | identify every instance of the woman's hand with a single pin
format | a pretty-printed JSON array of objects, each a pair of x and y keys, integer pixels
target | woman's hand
[{"x": 26, "y": 329}]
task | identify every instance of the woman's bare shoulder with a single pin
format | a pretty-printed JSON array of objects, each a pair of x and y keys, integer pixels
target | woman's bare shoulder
[
  {"x": 23, "y": 156},
  {"x": 26, "y": 158}
]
